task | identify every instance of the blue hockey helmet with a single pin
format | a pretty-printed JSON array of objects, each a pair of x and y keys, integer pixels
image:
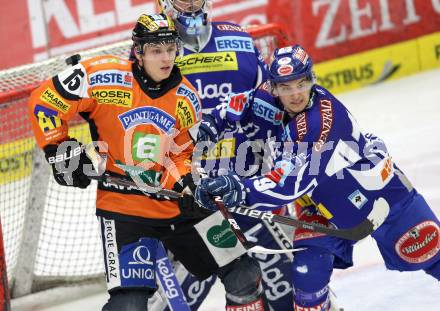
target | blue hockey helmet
[{"x": 290, "y": 63}]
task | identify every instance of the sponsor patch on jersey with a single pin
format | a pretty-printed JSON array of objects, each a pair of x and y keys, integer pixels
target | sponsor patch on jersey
[
  {"x": 219, "y": 239},
  {"x": 111, "y": 77},
  {"x": 268, "y": 112},
  {"x": 301, "y": 125},
  {"x": 224, "y": 148},
  {"x": 237, "y": 103},
  {"x": 117, "y": 97},
  {"x": 71, "y": 80},
  {"x": 358, "y": 199},
  {"x": 146, "y": 147},
  {"x": 326, "y": 110},
  {"x": 222, "y": 236},
  {"x": 420, "y": 243},
  {"x": 138, "y": 263},
  {"x": 184, "y": 113},
  {"x": 49, "y": 96},
  {"x": 281, "y": 171},
  {"x": 228, "y": 27},
  {"x": 387, "y": 169},
  {"x": 234, "y": 43},
  {"x": 48, "y": 119},
  {"x": 207, "y": 62},
  {"x": 183, "y": 90},
  {"x": 147, "y": 115}
]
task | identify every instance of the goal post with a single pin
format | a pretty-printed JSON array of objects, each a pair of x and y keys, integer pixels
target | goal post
[
  {"x": 4, "y": 287},
  {"x": 50, "y": 233}
]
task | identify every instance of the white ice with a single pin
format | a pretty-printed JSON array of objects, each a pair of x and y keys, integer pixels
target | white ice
[{"x": 405, "y": 113}]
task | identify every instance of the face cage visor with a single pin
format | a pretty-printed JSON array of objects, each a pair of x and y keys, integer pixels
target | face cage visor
[
  {"x": 190, "y": 16},
  {"x": 173, "y": 47}
]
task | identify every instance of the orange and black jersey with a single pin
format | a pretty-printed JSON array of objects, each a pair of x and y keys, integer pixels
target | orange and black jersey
[{"x": 143, "y": 124}]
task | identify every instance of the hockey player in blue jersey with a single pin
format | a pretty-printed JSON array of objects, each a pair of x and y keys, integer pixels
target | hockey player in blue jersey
[
  {"x": 219, "y": 58},
  {"x": 341, "y": 175}
]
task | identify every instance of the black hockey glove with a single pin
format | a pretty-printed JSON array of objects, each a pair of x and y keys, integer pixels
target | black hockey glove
[
  {"x": 187, "y": 205},
  {"x": 207, "y": 129},
  {"x": 68, "y": 161}
]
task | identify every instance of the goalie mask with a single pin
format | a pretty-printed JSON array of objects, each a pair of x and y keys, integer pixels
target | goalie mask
[{"x": 191, "y": 16}]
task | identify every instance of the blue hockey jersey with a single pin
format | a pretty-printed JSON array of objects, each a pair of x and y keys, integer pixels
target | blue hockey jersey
[
  {"x": 344, "y": 171},
  {"x": 227, "y": 63},
  {"x": 250, "y": 131}
]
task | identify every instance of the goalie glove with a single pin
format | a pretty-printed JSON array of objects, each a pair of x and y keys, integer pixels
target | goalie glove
[{"x": 68, "y": 161}]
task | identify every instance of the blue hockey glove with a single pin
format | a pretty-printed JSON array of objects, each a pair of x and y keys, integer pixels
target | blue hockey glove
[
  {"x": 207, "y": 129},
  {"x": 202, "y": 195},
  {"x": 228, "y": 187}
]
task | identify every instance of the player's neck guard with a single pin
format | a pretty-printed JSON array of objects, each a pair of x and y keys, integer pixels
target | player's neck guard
[{"x": 156, "y": 89}]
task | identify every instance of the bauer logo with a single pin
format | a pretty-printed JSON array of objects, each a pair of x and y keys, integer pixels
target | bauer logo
[
  {"x": 147, "y": 115},
  {"x": 112, "y": 77},
  {"x": 420, "y": 243},
  {"x": 234, "y": 43},
  {"x": 52, "y": 98}
]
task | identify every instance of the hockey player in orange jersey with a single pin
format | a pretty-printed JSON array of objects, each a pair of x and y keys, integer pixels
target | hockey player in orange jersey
[{"x": 147, "y": 115}]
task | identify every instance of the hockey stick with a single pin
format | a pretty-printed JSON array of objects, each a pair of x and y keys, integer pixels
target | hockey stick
[
  {"x": 165, "y": 273},
  {"x": 173, "y": 195},
  {"x": 374, "y": 219}
]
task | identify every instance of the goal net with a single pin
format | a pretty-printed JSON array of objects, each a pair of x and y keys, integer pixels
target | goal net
[{"x": 50, "y": 234}]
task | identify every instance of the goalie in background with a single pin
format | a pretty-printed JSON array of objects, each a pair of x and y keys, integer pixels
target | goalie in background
[
  {"x": 148, "y": 115},
  {"x": 341, "y": 176}
]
